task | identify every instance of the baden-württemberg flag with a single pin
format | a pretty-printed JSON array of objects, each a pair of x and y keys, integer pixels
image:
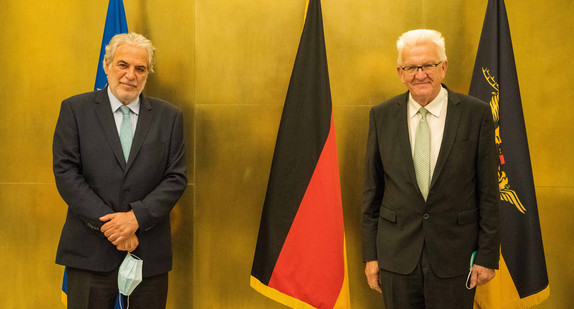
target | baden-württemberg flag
[
  {"x": 522, "y": 280},
  {"x": 300, "y": 257},
  {"x": 115, "y": 23}
]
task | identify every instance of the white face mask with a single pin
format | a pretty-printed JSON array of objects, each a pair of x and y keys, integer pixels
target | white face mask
[{"x": 130, "y": 274}]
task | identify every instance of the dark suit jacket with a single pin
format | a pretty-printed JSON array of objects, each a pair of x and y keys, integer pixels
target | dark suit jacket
[
  {"x": 94, "y": 180},
  {"x": 461, "y": 213}
]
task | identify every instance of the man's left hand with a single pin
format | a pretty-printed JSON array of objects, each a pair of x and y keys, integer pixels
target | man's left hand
[
  {"x": 129, "y": 245},
  {"x": 119, "y": 226},
  {"x": 480, "y": 275}
]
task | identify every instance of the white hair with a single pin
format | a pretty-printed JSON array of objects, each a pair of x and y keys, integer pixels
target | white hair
[
  {"x": 134, "y": 39},
  {"x": 419, "y": 36}
]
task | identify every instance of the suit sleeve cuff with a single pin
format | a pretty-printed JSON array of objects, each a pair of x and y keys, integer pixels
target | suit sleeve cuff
[{"x": 142, "y": 215}]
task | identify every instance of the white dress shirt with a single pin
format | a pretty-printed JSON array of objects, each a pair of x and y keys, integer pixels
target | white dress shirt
[{"x": 436, "y": 118}]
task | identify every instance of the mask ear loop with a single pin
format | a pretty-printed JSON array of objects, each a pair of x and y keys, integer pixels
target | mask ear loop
[
  {"x": 467, "y": 283},
  {"x": 128, "y": 301},
  {"x": 138, "y": 258},
  {"x": 134, "y": 256}
]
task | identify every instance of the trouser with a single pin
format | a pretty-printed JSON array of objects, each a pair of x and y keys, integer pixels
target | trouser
[
  {"x": 422, "y": 289},
  {"x": 98, "y": 290}
]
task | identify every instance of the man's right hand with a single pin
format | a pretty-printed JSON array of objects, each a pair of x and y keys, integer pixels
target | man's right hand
[
  {"x": 372, "y": 273},
  {"x": 129, "y": 244}
]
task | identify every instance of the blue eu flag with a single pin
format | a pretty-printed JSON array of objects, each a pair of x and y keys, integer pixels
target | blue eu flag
[{"x": 115, "y": 24}]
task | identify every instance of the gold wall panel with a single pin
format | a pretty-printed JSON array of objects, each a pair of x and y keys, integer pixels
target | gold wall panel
[
  {"x": 235, "y": 144},
  {"x": 32, "y": 218},
  {"x": 541, "y": 47},
  {"x": 227, "y": 64},
  {"x": 182, "y": 230},
  {"x": 40, "y": 67},
  {"x": 245, "y": 50},
  {"x": 555, "y": 209}
]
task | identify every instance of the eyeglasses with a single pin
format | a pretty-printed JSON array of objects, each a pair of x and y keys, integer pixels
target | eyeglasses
[{"x": 425, "y": 68}]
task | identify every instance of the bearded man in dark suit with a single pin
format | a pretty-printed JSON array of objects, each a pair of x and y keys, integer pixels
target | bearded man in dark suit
[
  {"x": 119, "y": 164},
  {"x": 431, "y": 187}
]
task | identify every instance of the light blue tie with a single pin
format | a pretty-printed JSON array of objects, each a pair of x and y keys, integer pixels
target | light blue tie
[
  {"x": 422, "y": 153},
  {"x": 126, "y": 131}
]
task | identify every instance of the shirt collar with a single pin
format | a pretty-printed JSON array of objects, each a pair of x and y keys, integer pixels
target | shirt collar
[
  {"x": 434, "y": 107},
  {"x": 116, "y": 104}
]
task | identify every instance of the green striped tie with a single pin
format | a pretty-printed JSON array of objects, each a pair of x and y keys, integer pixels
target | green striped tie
[
  {"x": 422, "y": 153},
  {"x": 126, "y": 131}
]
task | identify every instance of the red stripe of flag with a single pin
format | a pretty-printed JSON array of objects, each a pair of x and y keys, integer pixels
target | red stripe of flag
[{"x": 310, "y": 266}]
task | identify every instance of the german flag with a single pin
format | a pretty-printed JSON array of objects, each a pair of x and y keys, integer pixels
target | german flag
[
  {"x": 300, "y": 258},
  {"x": 522, "y": 280}
]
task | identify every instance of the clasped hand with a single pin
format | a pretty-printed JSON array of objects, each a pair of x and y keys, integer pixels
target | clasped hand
[{"x": 120, "y": 228}]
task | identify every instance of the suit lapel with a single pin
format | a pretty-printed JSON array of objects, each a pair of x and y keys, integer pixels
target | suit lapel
[
  {"x": 142, "y": 128},
  {"x": 452, "y": 121},
  {"x": 402, "y": 129},
  {"x": 106, "y": 118}
]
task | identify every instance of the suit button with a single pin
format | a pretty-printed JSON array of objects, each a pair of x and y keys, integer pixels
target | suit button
[{"x": 426, "y": 216}]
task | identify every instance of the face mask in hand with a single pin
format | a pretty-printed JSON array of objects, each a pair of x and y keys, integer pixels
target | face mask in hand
[{"x": 130, "y": 274}]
